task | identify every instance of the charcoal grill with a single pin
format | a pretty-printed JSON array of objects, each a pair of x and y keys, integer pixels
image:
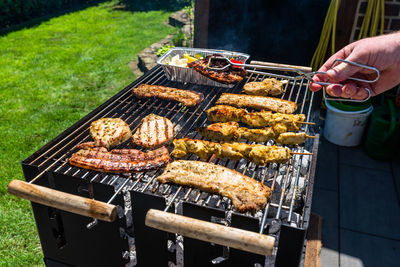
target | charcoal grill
[{"x": 70, "y": 239}]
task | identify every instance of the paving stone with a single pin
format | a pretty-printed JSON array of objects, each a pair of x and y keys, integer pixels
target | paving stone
[
  {"x": 325, "y": 204},
  {"x": 327, "y": 162},
  {"x": 357, "y": 249},
  {"x": 357, "y": 157},
  {"x": 396, "y": 173},
  {"x": 329, "y": 257},
  {"x": 368, "y": 202}
]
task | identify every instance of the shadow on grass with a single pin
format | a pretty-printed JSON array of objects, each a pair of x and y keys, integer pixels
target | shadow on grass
[
  {"x": 140, "y": 5},
  {"x": 37, "y": 21}
]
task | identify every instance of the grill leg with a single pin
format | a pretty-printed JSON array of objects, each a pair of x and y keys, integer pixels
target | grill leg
[
  {"x": 291, "y": 242},
  {"x": 151, "y": 244}
]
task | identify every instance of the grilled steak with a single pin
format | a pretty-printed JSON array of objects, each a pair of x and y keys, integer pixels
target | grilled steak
[
  {"x": 269, "y": 86},
  {"x": 246, "y": 193},
  {"x": 231, "y": 75},
  {"x": 109, "y": 132},
  {"x": 154, "y": 131},
  {"x": 259, "y": 154},
  {"x": 258, "y": 102},
  {"x": 223, "y": 113},
  {"x": 120, "y": 160},
  {"x": 187, "y": 97}
]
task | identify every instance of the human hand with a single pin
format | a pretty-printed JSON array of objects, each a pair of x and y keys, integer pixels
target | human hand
[{"x": 381, "y": 52}]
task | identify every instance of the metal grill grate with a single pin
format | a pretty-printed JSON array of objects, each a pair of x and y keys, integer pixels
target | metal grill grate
[{"x": 53, "y": 157}]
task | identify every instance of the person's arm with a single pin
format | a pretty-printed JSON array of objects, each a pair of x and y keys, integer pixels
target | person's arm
[{"x": 381, "y": 52}]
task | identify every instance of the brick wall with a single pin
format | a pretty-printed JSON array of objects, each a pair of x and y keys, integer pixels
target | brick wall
[{"x": 392, "y": 17}]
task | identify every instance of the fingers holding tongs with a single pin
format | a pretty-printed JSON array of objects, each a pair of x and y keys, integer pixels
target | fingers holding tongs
[
  {"x": 372, "y": 71},
  {"x": 220, "y": 63}
]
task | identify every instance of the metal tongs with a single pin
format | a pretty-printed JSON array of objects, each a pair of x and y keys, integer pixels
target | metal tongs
[{"x": 301, "y": 74}]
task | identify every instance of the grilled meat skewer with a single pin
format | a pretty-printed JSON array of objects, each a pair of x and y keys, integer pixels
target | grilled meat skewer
[
  {"x": 224, "y": 113},
  {"x": 187, "y": 97},
  {"x": 230, "y": 131},
  {"x": 258, "y": 102},
  {"x": 259, "y": 154},
  {"x": 246, "y": 193},
  {"x": 120, "y": 160}
]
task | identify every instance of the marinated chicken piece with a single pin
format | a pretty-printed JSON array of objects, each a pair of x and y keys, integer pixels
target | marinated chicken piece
[
  {"x": 269, "y": 86},
  {"x": 223, "y": 131},
  {"x": 258, "y": 135},
  {"x": 275, "y": 86},
  {"x": 203, "y": 149},
  {"x": 246, "y": 193},
  {"x": 223, "y": 113},
  {"x": 154, "y": 131},
  {"x": 187, "y": 97},
  {"x": 258, "y": 102},
  {"x": 232, "y": 75},
  {"x": 109, "y": 132},
  {"x": 257, "y": 118},
  {"x": 259, "y": 154},
  {"x": 121, "y": 160},
  {"x": 292, "y": 138}
]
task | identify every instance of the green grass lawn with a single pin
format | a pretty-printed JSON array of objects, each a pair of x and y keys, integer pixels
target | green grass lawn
[{"x": 50, "y": 76}]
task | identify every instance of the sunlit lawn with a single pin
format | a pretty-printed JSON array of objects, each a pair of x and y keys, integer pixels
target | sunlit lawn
[{"x": 50, "y": 76}]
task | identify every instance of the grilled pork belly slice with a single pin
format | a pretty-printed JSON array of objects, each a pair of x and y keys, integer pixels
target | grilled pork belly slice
[
  {"x": 154, "y": 131},
  {"x": 258, "y": 102},
  {"x": 187, "y": 97},
  {"x": 120, "y": 160},
  {"x": 269, "y": 86},
  {"x": 231, "y": 75},
  {"x": 259, "y": 154},
  {"x": 109, "y": 132},
  {"x": 247, "y": 194}
]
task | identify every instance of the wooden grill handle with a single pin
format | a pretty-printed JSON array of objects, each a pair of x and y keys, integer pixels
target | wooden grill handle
[
  {"x": 210, "y": 232},
  {"x": 63, "y": 201},
  {"x": 302, "y": 68}
]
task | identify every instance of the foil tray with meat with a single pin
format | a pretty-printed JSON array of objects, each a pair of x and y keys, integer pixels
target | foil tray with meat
[{"x": 190, "y": 75}]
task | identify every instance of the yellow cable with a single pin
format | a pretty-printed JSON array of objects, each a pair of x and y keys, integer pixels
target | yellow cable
[
  {"x": 382, "y": 16},
  {"x": 328, "y": 34}
]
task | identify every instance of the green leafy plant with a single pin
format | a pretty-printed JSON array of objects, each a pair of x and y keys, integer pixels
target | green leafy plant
[
  {"x": 179, "y": 38},
  {"x": 162, "y": 50}
]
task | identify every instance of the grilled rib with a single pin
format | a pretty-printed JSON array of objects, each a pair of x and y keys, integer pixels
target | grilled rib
[
  {"x": 259, "y": 154},
  {"x": 120, "y": 161},
  {"x": 154, "y": 131},
  {"x": 223, "y": 113},
  {"x": 246, "y": 193},
  {"x": 108, "y": 132},
  {"x": 187, "y": 97},
  {"x": 269, "y": 86},
  {"x": 230, "y": 131},
  {"x": 258, "y": 102},
  {"x": 231, "y": 75}
]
